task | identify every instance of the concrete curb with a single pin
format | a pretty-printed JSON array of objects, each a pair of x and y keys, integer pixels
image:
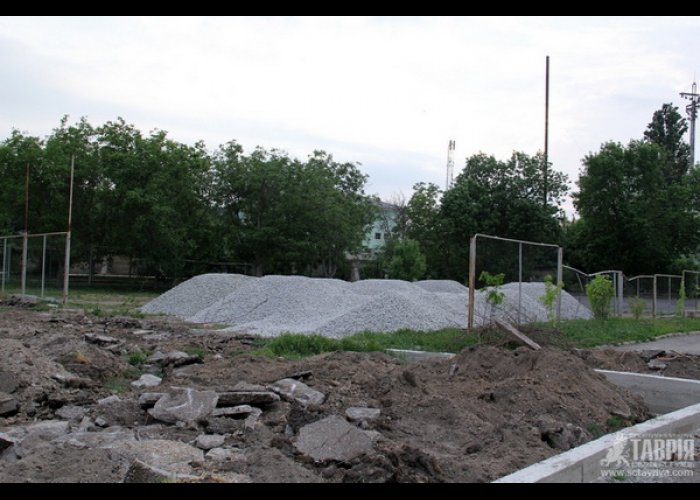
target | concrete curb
[
  {"x": 582, "y": 464},
  {"x": 415, "y": 356},
  {"x": 661, "y": 394}
]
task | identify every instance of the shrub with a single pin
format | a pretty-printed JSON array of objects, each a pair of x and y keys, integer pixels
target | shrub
[
  {"x": 549, "y": 298},
  {"x": 600, "y": 292},
  {"x": 637, "y": 305}
]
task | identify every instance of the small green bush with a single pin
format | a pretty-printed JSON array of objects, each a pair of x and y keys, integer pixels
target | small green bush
[
  {"x": 637, "y": 305},
  {"x": 551, "y": 293},
  {"x": 680, "y": 303},
  {"x": 600, "y": 292},
  {"x": 137, "y": 358}
]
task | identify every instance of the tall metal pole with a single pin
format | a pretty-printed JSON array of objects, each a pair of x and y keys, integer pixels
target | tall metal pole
[
  {"x": 25, "y": 235},
  {"x": 520, "y": 279},
  {"x": 43, "y": 267},
  {"x": 692, "y": 110},
  {"x": 560, "y": 279},
  {"x": 472, "y": 282},
  {"x": 546, "y": 132},
  {"x": 4, "y": 262},
  {"x": 66, "y": 265}
]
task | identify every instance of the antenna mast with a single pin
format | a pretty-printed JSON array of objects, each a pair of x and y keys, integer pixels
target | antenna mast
[
  {"x": 450, "y": 165},
  {"x": 692, "y": 110}
]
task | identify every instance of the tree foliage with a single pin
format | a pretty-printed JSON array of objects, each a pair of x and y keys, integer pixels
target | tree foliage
[
  {"x": 638, "y": 203},
  {"x": 168, "y": 205}
]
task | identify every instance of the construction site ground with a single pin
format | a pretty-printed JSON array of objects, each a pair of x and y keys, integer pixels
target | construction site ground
[{"x": 71, "y": 413}]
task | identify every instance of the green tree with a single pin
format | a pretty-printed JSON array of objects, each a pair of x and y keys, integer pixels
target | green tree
[
  {"x": 502, "y": 199},
  {"x": 425, "y": 225},
  {"x": 667, "y": 129},
  {"x": 633, "y": 217},
  {"x": 406, "y": 262}
]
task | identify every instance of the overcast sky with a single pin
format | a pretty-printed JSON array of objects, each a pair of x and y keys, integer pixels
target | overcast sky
[{"x": 386, "y": 92}]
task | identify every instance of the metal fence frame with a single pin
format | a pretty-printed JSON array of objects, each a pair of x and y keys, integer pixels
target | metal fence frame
[
  {"x": 25, "y": 240},
  {"x": 472, "y": 271}
]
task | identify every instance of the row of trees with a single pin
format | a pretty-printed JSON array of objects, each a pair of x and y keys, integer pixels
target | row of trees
[
  {"x": 638, "y": 207},
  {"x": 168, "y": 205},
  {"x": 165, "y": 204}
]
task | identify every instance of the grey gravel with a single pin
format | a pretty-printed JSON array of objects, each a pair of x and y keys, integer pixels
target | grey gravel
[{"x": 273, "y": 305}]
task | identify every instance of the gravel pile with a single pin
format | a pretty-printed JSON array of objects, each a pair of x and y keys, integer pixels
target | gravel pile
[
  {"x": 195, "y": 294},
  {"x": 273, "y": 305}
]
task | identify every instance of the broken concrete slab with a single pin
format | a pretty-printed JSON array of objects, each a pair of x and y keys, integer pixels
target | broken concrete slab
[
  {"x": 71, "y": 380},
  {"x": 656, "y": 364},
  {"x": 149, "y": 399},
  {"x": 649, "y": 354},
  {"x": 251, "y": 420},
  {"x": 103, "y": 439},
  {"x": 246, "y": 387},
  {"x": 108, "y": 400},
  {"x": 31, "y": 438},
  {"x": 333, "y": 438},
  {"x": 175, "y": 358},
  {"x": 222, "y": 454},
  {"x": 8, "y": 382},
  {"x": 293, "y": 390},
  {"x": 237, "y": 412},
  {"x": 183, "y": 404},
  {"x": 227, "y": 459},
  {"x": 173, "y": 456},
  {"x": 141, "y": 472},
  {"x": 100, "y": 340},
  {"x": 247, "y": 397},
  {"x": 8, "y": 405},
  {"x": 70, "y": 412},
  {"x": 209, "y": 441},
  {"x": 358, "y": 414},
  {"x": 147, "y": 380}
]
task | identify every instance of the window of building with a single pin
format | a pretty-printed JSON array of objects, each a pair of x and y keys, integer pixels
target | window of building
[{"x": 377, "y": 236}]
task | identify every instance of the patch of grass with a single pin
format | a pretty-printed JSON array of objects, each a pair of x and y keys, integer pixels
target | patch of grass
[
  {"x": 117, "y": 384},
  {"x": 196, "y": 351},
  {"x": 299, "y": 346},
  {"x": 616, "y": 422},
  {"x": 587, "y": 333},
  {"x": 137, "y": 358},
  {"x": 595, "y": 430}
]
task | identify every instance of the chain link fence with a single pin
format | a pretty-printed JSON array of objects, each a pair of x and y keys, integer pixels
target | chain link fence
[
  {"x": 45, "y": 261},
  {"x": 517, "y": 269}
]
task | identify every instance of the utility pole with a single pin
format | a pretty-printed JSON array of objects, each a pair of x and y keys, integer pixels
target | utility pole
[
  {"x": 546, "y": 130},
  {"x": 692, "y": 110},
  {"x": 449, "y": 180},
  {"x": 25, "y": 234},
  {"x": 66, "y": 265}
]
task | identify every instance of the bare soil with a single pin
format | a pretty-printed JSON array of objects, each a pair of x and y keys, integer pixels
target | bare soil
[{"x": 483, "y": 414}]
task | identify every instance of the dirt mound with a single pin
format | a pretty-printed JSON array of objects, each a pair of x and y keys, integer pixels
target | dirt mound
[
  {"x": 675, "y": 364},
  {"x": 475, "y": 417}
]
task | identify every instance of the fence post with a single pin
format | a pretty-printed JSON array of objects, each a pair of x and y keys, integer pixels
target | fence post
[
  {"x": 560, "y": 279},
  {"x": 472, "y": 282},
  {"x": 43, "y": 267},
  {"x": 23, "y": 276},
  {"x": 4, "y": 262},
  {"x": 620, "y": 293},
  {"x": 653, "y": 299},
  {"x": 520, "y": 278}
]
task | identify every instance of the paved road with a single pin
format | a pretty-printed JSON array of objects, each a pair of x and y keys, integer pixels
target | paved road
[{"x": 688, "y": 344}]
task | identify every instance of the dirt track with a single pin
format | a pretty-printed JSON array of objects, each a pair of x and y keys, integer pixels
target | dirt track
[{"x": 481, "y": 415}]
